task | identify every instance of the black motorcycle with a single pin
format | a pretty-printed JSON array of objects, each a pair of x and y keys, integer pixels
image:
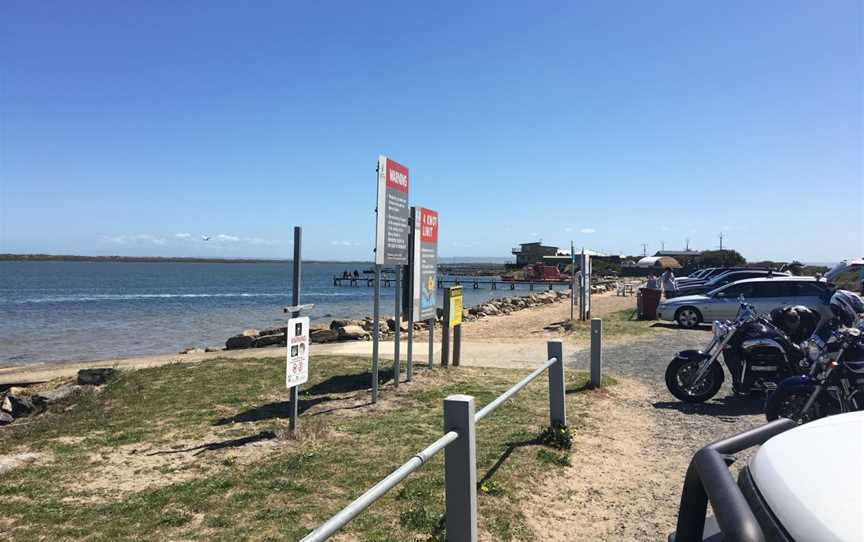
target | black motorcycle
[
  {"x": 834, "y": 385},
  {"x": 756, "y": 351}
]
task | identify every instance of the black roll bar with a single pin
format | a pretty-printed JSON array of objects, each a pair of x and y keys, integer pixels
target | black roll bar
[{"x": 708, "y": 477}]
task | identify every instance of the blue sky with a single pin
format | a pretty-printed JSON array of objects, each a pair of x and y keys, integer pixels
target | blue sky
[{"x": 134, "y": 128}]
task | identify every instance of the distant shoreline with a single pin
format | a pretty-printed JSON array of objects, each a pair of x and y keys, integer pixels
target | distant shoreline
[
  {"x": 452, "y": 261},
  {"x": 151, "y": 259}
]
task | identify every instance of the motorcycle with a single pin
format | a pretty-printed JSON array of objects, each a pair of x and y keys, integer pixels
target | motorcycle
[
  {"x": 834, "y": 385},
  {"x": 756, "y": 351}
]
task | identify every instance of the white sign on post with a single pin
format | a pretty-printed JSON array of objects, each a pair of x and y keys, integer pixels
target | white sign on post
[{"x": 297, "y": 368}]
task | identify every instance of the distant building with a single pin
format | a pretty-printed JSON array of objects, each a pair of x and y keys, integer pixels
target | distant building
[
  {"x": 531, "y": 253},
  {"x": 528, "y": 253}
]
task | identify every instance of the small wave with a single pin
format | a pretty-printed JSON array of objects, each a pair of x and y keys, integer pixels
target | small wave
[{"x": 131, "y": 297}]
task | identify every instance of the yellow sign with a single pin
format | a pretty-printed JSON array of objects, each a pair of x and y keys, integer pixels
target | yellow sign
[{"x": 455, "y": 305}]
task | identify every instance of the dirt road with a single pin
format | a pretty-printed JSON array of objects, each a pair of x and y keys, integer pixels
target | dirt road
[{"x": 628, "y": 468}]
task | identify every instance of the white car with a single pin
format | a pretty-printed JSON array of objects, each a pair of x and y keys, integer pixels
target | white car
[
  {"x": 804, "y": 483},
  {"x": 766, "y": 294}
]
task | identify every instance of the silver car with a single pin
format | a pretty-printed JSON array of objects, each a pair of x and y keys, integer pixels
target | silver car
[{"x": 766, "y": 294}]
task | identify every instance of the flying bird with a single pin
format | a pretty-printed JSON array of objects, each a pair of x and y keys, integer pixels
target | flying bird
[{"x": 205, "y": 237}]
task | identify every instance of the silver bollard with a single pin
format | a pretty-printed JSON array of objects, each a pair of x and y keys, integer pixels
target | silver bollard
[
  {"x": 596, "y": 351},
  {"x": 557, "y": 394},
  {"x": 460, "y": 470}
]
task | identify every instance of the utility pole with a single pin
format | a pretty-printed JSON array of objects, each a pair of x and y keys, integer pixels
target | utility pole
[
  {"x": 644, "y": 249},
  {"x": 662, "y": 246},
  {"x": 721, "y": 240},
  {"x": 687, "y": 245}
]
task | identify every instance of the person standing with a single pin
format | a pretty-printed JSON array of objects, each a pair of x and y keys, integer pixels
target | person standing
[
  {"x": 652, "y": 281},
  {"x": 669, "y": 287}
]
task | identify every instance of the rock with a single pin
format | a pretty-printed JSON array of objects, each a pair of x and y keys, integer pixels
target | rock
[
  {"x": 239, "y": 341},
  {"x": 275, "y": 331},
  {"x": 369, "y": 324},
  {"x": 353, "y": 332},
  {"x": 192, "y": 350},
  {"x": 336, "y": 324},
  {"x": 466, "y": 314},
  {"x": 490, "y": 309},
  {"x": 269, "y": 340},
  {"x": 22, "y": 405},
  {"x": 419, "y": 326},
  {"x": 391, "y": 325},
  {"x": 212, "y": 349},
  {"x": 326, "y": 335},
  {"x": 60, "y": 393},
  {"x": 553, "y": 327},
  {"x": 250, "y": 333},
  {"x": 95, "y": 377},
  {"x": 5, "y": 418}
]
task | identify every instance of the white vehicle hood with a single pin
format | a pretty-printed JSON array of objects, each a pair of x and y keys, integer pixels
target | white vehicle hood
[{"x": 812, "y": 478}]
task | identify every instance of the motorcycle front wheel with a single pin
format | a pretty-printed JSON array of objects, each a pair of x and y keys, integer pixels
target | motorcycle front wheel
[
  {"x": 788, "y": 403},
  {"x": 679, "y": 380}
]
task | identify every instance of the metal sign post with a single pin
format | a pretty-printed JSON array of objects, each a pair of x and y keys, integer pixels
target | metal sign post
[
  {"x": 391, "y": 247},
  {"x": 585, "y": 287},
  {"x": 397, "y": 317},
  {"x": 376, "y": 331},
  {"x": 572, "y": 279},
  {"x": 295, "y": 301},
  {"x": 409, "y": 354},
  {"x": 410, "y": 279}
]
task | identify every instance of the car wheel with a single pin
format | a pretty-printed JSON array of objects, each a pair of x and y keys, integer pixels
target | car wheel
[{"x": 688, "y": 317}]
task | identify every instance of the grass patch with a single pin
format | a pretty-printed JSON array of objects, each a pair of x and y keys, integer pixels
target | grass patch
[
  {"x": 175, "y": 452},
  {"x": 617, "y": 324},
  {"x": 553, "y": 458}
]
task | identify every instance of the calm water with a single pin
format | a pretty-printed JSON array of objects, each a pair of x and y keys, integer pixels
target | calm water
[{"x": 65, "y": 311}]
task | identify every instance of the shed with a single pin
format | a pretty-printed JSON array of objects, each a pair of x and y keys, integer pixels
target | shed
[{"x": 659, "y": 261}]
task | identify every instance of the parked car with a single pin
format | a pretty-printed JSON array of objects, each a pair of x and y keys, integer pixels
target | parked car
[
  {"x": 802, "y": 484},
  {"x": 727, "y": 278},
  {"x": 713, "y": 272},
  {"x": 765, "y": 294}
]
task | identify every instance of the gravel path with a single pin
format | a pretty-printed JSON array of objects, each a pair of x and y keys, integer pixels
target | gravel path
[
  {"x": 629, "y": 464},
  {"x": 645, "y": 361}
]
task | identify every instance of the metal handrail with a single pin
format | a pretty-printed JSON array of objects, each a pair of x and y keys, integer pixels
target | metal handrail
[
  {"x": 488, "y": 409},
  {"x": 328, "y": 528},
  {"x": 361, "y": 503}
]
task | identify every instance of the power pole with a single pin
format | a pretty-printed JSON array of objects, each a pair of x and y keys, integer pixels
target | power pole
[
  {"x": 644, "y": 250},
  {"x": 721, "y": 240},
  {"x": 662, "y": 246},
  {"x": 687, "y": 245}
]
